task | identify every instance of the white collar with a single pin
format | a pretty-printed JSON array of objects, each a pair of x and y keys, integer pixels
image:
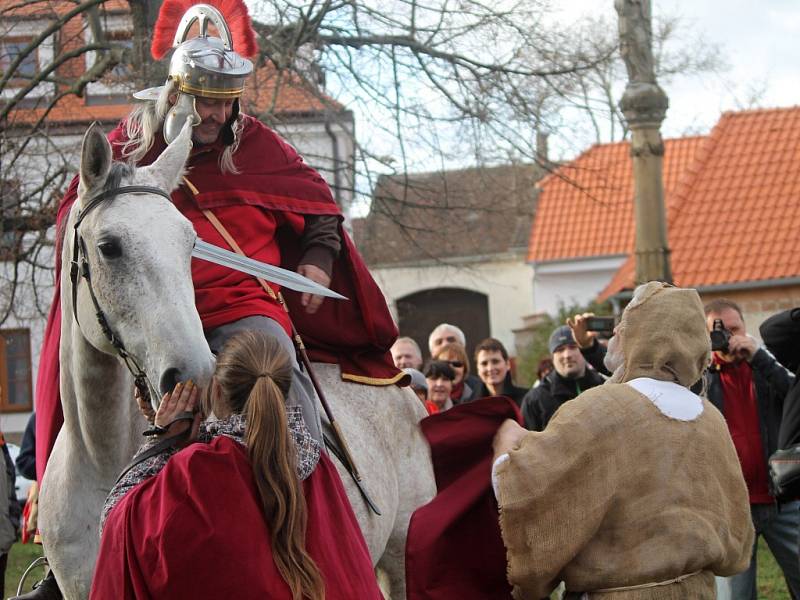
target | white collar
[{"x": 672, "y": 399}]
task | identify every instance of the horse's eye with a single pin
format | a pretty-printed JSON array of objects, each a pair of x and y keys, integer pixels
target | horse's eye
[{"x": 110, "y": 249}]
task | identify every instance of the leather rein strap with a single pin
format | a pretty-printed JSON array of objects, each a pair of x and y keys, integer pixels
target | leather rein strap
[{"x": 80, "y": 265}]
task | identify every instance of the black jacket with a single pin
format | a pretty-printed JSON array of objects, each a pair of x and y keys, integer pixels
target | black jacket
[
  {"x": 595, "y": 355},
  {"x": 509, "y": 389},
  {"x": 781, "y": 335},
  {"x": 26, "y": 459},
  {"x": 541, "y": 402},
  {"x": 772, "y": 382}
]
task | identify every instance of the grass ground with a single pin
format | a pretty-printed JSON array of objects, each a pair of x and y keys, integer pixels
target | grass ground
[{"x": 771, "y": 585}]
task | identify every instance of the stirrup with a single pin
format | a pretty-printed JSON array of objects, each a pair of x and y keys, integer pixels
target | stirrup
[{"x": 41, "y": 561}]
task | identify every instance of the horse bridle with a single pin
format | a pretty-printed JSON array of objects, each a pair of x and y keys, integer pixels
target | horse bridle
[{"x": 80, "y": 264}]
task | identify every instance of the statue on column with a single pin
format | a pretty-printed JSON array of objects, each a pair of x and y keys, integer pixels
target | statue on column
[{"x": 635, "y": 38}]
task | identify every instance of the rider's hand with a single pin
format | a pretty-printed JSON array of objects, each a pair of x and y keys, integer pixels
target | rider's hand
[
  {"x": 317, "y": 275},
  {"x": 583, "y": 337},
  {"x": 144, "y": 406},
  {"x": 182, "y": 399}
]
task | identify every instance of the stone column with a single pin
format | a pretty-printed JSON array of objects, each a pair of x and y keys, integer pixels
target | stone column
[{"x": 644, "y": 105}]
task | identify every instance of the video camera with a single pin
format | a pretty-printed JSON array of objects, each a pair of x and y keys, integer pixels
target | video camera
[{"x": 719, "y": 337}]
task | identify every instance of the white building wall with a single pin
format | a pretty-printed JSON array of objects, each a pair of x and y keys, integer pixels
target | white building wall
[
  {"x": 322, "y": 148},
  {"x": 506, "y": 282},
  {"x": 571, "y": 282}
]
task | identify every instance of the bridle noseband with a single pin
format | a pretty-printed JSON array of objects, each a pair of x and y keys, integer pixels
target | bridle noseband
[{"x": 80, "y": 264}]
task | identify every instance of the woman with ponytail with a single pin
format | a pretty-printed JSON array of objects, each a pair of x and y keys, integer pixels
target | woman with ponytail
[{"x": 254, "y": 510}]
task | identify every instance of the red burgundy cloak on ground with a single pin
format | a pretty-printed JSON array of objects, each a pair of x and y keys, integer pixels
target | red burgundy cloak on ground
[{"x": 455, "y": 548}]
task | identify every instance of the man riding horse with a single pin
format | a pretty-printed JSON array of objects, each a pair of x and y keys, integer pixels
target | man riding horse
[{"x": 248, "y": 190}]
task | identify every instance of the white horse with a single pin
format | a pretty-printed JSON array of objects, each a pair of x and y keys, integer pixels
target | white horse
[{"x": 138, "y": 249}]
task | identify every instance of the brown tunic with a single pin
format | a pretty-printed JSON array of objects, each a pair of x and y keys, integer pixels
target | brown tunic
[{"x": 616, "y": 494}]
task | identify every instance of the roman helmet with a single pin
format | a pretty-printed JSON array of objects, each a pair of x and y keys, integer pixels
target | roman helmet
[{"x": 205, "y": 65}]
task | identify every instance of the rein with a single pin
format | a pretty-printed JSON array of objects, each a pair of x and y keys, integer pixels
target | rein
[{"x": 80, "y": 265}]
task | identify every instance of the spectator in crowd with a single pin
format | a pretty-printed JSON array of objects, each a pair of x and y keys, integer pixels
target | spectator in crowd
[
  {"x": 494, "y": 369},
  {"x": 10, "y": 509},
  {"x": 455, "y": 355},
  {"x": 781, "y": 335},
  {"x": 406, "y": 353},
  {"x": 748, "y": 386},
  {"x": 444, "y": 333},
  {"x": 439, "y": 376},
  {"x": 418, "y": 385},
  {"x": 634, "y": 489},
  {"x": 569, "y": 378}
]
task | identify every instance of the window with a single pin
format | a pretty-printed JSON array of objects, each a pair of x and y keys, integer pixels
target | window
[
  {"x": 10, "y": 49},
  {"x": 16, "y": 391},
  {"x": 123, "y": 71}
]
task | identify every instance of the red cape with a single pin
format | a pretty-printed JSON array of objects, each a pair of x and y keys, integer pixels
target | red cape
[
  {"x": 197, "y": 531},
  {"x": 454, "y": 547},
  {"x": 357, "y": 334}
]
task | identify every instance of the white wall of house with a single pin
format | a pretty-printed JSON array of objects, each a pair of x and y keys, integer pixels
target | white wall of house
[
  {"x": 505, "y": 279},
  {"x": 567, "y": 282},
  {"x": 330, "y": 149}
]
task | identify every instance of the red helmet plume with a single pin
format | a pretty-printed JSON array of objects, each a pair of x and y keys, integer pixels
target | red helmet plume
[{"x": 234, "y": 11}]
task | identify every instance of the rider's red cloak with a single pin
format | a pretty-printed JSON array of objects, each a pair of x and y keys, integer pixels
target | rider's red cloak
[
  {"x": 196, "y": 530},
  {"x": 356, "y": 334}
]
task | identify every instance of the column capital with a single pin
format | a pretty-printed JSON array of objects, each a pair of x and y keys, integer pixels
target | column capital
[{"x": 644, "y": 105}]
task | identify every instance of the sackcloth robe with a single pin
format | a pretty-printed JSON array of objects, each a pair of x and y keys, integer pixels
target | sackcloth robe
[
  {"x": 670, "y": 502},
  {"x": 615, "y": 493}
]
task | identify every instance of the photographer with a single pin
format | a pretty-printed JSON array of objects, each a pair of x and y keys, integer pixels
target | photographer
[{"x": 748, "y": 387}]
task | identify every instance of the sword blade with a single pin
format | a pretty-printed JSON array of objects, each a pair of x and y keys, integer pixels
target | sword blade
[{"x": 283, "y": 277}]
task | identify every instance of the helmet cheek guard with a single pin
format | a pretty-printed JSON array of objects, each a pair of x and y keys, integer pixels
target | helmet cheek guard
[{"x": 176, "y": 117}]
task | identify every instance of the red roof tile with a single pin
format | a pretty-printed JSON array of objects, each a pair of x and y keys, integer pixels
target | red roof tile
[
  {"x": 735, "y": 217},
  {"x": 586, "y": 206}
]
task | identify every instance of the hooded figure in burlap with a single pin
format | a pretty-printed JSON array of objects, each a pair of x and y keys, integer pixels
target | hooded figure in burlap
[{"x": 634, "y": 490}]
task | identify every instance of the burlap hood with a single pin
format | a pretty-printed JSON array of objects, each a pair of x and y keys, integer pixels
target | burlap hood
[{"x": 663, "y": 335}]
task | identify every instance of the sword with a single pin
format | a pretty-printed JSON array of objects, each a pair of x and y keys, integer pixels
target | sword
[{"x": 283, "y": 277}]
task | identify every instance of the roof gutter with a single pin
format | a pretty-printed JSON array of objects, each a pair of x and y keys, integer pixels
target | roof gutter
[
  {"x": 620, "y": 296},
  {"x": 749, "y": 285}
]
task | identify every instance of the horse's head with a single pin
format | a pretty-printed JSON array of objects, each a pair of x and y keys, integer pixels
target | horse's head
[{"x": 136, "y": 247}]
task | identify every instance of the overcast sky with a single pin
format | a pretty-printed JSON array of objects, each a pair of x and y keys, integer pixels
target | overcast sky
[{"x": 759, "y": 40}]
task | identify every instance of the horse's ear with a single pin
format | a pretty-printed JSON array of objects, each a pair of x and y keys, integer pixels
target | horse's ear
[
  {"x": 95, "y": 161},
  {"x": 168, "y": 169}
]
